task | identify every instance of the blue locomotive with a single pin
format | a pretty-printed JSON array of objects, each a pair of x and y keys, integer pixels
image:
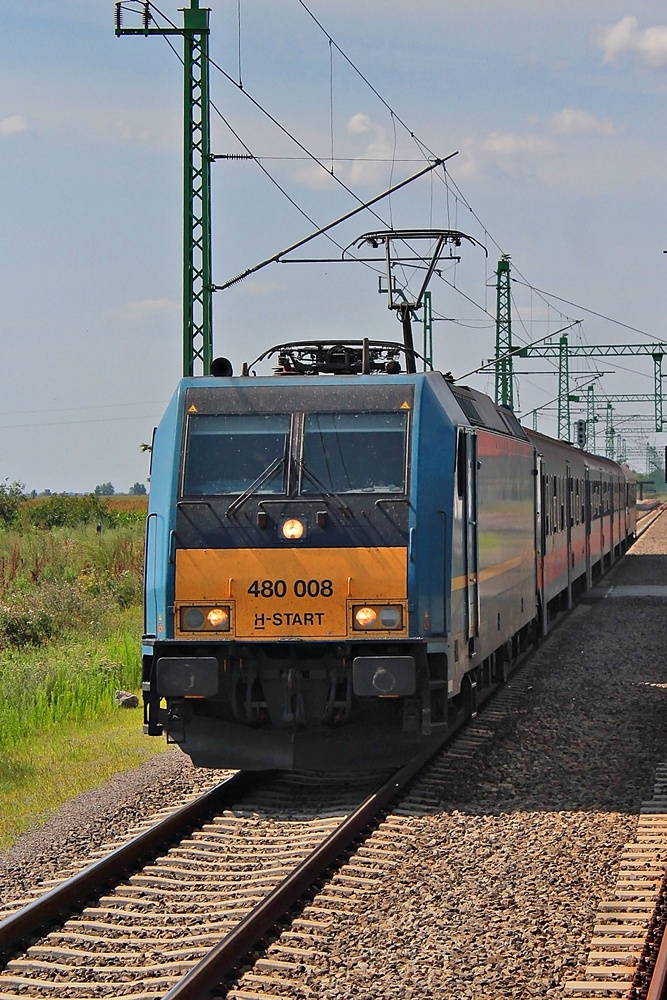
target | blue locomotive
[{"x": 341, "y": 555}]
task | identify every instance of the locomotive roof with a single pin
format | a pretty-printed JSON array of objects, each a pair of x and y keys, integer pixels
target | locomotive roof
[{"x": 480, "y": 410}]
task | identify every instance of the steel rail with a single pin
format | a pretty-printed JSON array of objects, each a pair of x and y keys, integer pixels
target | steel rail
[
  {"x": 209, "y": 972},
  {"x": 657, "y": 987},
  {"x": 72, "y": 894}
]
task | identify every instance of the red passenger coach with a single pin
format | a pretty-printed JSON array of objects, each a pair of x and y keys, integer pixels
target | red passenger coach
[{"x": 587, "y": 518}]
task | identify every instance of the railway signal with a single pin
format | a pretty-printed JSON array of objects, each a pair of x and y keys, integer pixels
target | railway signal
[{"x": 581, "y": 433}]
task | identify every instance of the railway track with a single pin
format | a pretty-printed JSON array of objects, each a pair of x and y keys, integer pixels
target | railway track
[
  {"x": 256, "y": 851},
  {"x": 177, "y": 926},
  {"x": 249, "y": 868},
  {"x": 649, "y": 517},
  {"x": 222, "y": 883}
]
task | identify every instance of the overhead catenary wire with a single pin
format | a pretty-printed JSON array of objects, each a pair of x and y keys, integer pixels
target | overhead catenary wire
[
  {"x": 592, "y": 312},
  {"x": 295, "y": 246},
  {"x": 362, "y": 204},
  {"x": 257, "y": 160},
  {"x": 512, "y": 353},
  {"x": 423, "y": 147},
  {"x": 278, "y": 124},
  {"x": 450, "y": 185}
]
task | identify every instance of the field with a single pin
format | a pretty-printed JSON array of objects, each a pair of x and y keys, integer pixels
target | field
[{"x": 70, "y": 636}]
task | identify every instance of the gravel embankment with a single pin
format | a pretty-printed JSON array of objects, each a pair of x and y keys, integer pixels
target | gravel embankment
[{"x": 97, "y": 817}]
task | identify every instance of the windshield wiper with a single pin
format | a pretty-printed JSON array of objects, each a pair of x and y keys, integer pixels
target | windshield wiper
[
  {"x": 270, "y": 471},
  {"x": 331, "y": 494}
]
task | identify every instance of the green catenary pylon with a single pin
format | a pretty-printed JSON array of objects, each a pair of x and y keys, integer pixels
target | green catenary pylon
[
  {"x": 197, "y": 287},
  {"x": 564, "y": 390},
  {"x": 591, "y": 419},
  {"x": 657, "y": 371},
  {"x": 610, "y": 433},
  {"x": 504, "y": 390}
]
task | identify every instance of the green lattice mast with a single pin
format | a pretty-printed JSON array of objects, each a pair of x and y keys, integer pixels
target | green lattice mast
[
  {"x": 197, "y": 286},
  {"x": 504, "y": 368},
  {"x": 609, "y": 433},
  {"x": 564, "y": 427},
  {"x": 591, "y": 419},
  {"x": 657, "y": 351}
]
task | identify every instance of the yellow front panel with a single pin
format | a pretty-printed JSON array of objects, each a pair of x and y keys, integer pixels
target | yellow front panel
[{"x": 286, "y": 593}]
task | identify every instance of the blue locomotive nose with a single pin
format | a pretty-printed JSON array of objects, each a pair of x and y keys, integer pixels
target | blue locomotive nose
[{"x": 337, "y": 566}]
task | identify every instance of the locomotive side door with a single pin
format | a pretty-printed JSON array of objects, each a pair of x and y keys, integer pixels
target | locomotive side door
[
  {"x": 471, "y": 568},
  {"x": 569, "y": 520},
  {"x": 587, "y": 522},
  {"x": 613, "y": 531},
  {"x": 540, "y": 539}
]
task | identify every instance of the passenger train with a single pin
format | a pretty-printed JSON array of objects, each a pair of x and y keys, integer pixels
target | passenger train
[{"x": 343, "y": 554}]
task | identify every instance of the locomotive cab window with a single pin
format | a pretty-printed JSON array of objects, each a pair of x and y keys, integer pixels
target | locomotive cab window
[
  {"x": 228, "y": 453},
  {"x": 354, "y": 453}
]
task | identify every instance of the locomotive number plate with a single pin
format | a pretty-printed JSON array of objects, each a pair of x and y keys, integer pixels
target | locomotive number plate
[{"x": 291, "y": 593}]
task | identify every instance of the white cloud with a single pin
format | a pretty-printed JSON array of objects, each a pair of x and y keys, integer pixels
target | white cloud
[
  {"x": 571, "y": 120},
  {"x": 506, "y": 144},
  {"x": 515, "y": 156},
  {"x": 145, "y": 308},
  {"x": 358, "y": 124},
  {"x": 574, "y": 162},
  {"x": 316, "y": 178},
  {"x": 369, "y": 152},
  {"x": 650, "y": 44},
  {"x": 95, "y": 121},
  {"x": 262, "y": 287},
  {"x": 12, "y": 125}
]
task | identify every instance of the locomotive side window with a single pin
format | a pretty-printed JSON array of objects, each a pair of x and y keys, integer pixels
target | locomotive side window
[
  {"x": 554, "y": 518},
  {"x": 561, "y": 498},
  {"x": 461, "y": 462},
  {"x": 545, "y": 496},
  {"x": 228, "y": 453},
  {"x": 354, "y": 453}
]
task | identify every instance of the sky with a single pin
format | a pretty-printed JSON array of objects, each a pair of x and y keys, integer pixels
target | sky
[{"x": 556, "y": 114}]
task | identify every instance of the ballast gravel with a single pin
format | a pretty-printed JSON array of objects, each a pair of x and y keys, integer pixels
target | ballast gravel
[{"x": 495, "y": 888}]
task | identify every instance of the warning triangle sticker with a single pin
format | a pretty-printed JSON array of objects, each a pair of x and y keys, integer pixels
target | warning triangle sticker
[
  {"x": 405, "y": 405},
  {"x": 193, "y": 409}
]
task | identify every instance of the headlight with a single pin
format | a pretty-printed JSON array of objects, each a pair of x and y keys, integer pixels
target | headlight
[
  {"x": 365, "y": 617},
  {"x": 204, "y": 619},
  {"x": 192, "y": 618},
  {"x": 390, "y": 617},
  {"x": 293, "y": 528},
  {"x": 377, "y": 617},
  {"x": 218, "y": 618}
]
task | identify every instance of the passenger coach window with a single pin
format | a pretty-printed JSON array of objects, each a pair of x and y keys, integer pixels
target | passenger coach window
[
  {"x": 227, "y": 453},
  {"x": 354, "y": 453}
]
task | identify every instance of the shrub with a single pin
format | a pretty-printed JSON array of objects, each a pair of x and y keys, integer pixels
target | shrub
[
  {"x": 11, "y": 498},
  {"x": 37, "y": 615},
  {"x": 62, "y": 511}
]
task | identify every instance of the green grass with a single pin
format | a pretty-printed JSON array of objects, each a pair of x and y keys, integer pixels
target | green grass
[
  {"x": 69, "y": 680},
  {"x": 70, "y": 636},
  {"x": 51, "y": 767}
]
